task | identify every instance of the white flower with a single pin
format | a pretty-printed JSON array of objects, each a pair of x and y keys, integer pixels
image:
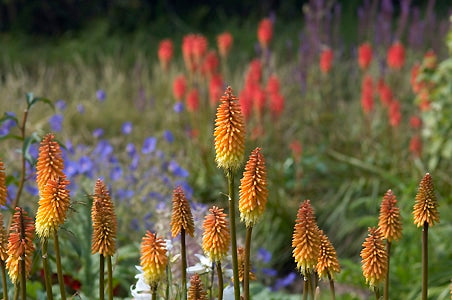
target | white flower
[
  {"x": 204, "y": 265},
  {"x": 142, "y": 289},
  {"x": 228, "y": 293},
  {"x": 169, "y": 245}
]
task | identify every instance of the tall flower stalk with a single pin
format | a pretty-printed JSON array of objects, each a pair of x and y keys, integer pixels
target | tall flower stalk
[
  {"x": 306, "y": 244},
  {"x": 327, "y": 263},
  {"x": 153, "y": 260},
  {"x": 104, "y": 233},
  {"x": 230, "y": 147},
  {"x": 391, "y": 228},
  {"x": 215, "y": 241},
  {"x": 20, "y": 250},
  {"x": 182, "y": 223},
  {"x": 3, "y": 255},
  {"x": 425, "y": 213},
  {"x": 252, "y": 200},
  {"x": 374, "y": 261}
]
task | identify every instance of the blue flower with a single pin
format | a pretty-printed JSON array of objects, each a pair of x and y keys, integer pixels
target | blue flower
[
  {"x": 81, "y": 108},
  {"x": 12, "y": 191},
  {"x": 263, "y": 255},
  {"x": 130, "y": 149},
  {"x": 103, "y": 149},
  {"x": 168, "y": 135},
  {"x": 283, "y": 282},
  {"x": 126, "y": 128},
  {"x": 135, "y": 225},
  {"x": 69, "y": 146},
  {"x": 7, "y": 124},
  {"x": 98, "y": 132},
  {"x": 56, "y": 122},
  {"x": 116, "y": 173},
  {"x": 134, "y": 164},
  {"x": 71, "y": 168},
  {"x": 177, "y": 170},
  {"x": 101, "y": 95},
  {"x": 149, "y": 145},
  {"x": 178, "y": 107},
  {"x": 269, "y": 272},
  {"x": 85, "y": 165},
  {"x": 32, "y": 190},
  {"x": 60, "y": 104},
  {"x": 33, "y": 151},
  {"x": 186, "y": 187}
]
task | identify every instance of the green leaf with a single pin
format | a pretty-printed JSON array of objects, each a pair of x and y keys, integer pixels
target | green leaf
[
  {"x": 11, "y": 136},
  {"x": 40, "y": 99},
  {"x": 34, "y": 137},
  {"x": 29, "y": 97}
]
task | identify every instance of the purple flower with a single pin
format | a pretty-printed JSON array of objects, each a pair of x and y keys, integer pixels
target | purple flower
[
  {"x": 56, "y": 122},
  {"x": 7, "y": 124},
  {"x": 98, "y": 132},
  {"x": 12, "y": 191},
  {"x": 269, "y": 272},
  {"x": 104, "y": 149},
  {"x": 124, "y": 194},
  {"x": 130, "y": 149},
  {"x": 101, "y": 95},
  {"x": 60, "y": 104},
  {"x": 168, "y": 135},
  {"x": 283, "y": 282},
  {"x": 135, "y": 225},
  {"x": 69, "y": 146},
  {"x": 126, "y": 128},
  {"x": 149, "y": 145},
  {"x": 32, "y": 190},
  {"x": 134, "y": 164},
  {"x": 177, "y": 170},
  {"x": 81, "y": 108},
  {"x": 178, "y": 107},
  {"x": 263, "y": 255},
  {"x": 33, "y": 151},
  {"x": 116, "y": 173},
  {"x": 70, "y": 168},
  {"x": 85, "y": 165}
]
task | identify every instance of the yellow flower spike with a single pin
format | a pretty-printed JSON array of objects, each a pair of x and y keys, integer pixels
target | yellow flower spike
[
  {"x": 3, "y": 190},
  {"x": 253, "y": 189},
  {"x": 241, "y": 260},
  {"x": 196, "y": 290},
  {"x": 389, "y": 220},
  {"x": 50, "y": 163},
  {"x": 3, "y": 240},
  {"x": 306, "y": 239},
  {"x": 53, "y": 205},
  {"x": 181, "y": 216},
  {"x": 327, "y": 262},
  {"x": 20, "y": 243},
  {"x": 374, "y": 261},
  {"x": 426, "y": 206},
  {"x": 229, "y": 132},
  {"x": 216, "y": 237},
  {"x": 153, "y": 258},
  {"x": 104, "y": 221}
]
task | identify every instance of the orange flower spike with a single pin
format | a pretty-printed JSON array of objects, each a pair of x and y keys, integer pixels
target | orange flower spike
[
  {"x": 389, "y": 221},
  {"x": 229, "y": 132},
  {"x": 327, "y": 262},
  {"x": 20, "y": 243},
  {"x": 153, "y": 258},
  {"x": 253, "y": 189},
  {"x": 53, "y": 204},
  {"x": 426, "y": 207},
  {"x": 50, "y": 163},
  {"x": 181, "y": 216},
  {"x": 196, "y": 290},
  {"x": 306, "y": 239},
  {"x": 216, "y": 237},
  {"x": 3, "y": 240},
  {"x": 241, "y": 260},
  {"x": 3, "y": 190},
  {"x": 104, "y": 221},
  {"x": 224, "y": 43},
  {"x": 374, "y": 258}
]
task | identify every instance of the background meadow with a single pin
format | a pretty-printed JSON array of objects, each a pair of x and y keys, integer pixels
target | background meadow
[{"x": 332, "y": 131}]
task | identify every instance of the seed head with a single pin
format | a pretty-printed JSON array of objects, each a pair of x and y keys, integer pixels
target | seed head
[
  {"x": 216, "y": 238},
  {"x": 153, "y": 258},
  {"x": 182, "y": 216},
  {"x": 426, "y": 207},
  {"x": 327, "y": 262},
  {"x": 374, "y": 258},
  {"x": 196, "y": 290},
  {"x": 389, "y": 220}
]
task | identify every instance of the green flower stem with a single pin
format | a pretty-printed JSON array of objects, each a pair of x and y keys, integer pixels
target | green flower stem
[
  {"x": 101, "y": 277},
  {"x": 425, "y": 261},
  {"x": 58, "y": 265},
  {"x": 386, "y": 290},
  {"x": 235, "y": 265},
  {"x": 45, "y": 265},
  {"x": 5, "y": 285},
  {"x": 16, "y": 291},
  {"x": 333, "y": 293},
  {"x": 310, "y": 287},
  {"x": 23, "y": 278},
  {"x": 154, "y": 291},
  {"x": 110, "y": 278},
  {"x": 305, "y": 288},
  {"x": 246, "y": 268},
  {"x": 220, "y": 280},
  {"x": 184, "y": 264},
  {"x": 377, "y": 293}
]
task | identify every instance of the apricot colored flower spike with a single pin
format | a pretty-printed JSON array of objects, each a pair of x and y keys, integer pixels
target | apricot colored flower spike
[
  {"x": 253, "y": 189},
  {"x": 20, "y": 243},
  {"x": 50, "y": 163},
  {"x": 53, "y": 204},
  {"x": 153, "y": 258},
  {"x": 306, "y": 239},
  {"x": 374, "y": 258},
  {"x": 216, "y": 237},
  {"x": 196, "y": 290},
  {"x": 426, "y": 207},
  {"x": 104, "y": 221},
  {"x": 327, "y": 262},
  {"x": 3, "y": 240},
  {"x": 241, "y": 259},
  {"x": 390, "y": 221},
  {"x": 182, "y": 216},
  {"x": 229, "y": 132},
  {"x": 3, "y": 190}
]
